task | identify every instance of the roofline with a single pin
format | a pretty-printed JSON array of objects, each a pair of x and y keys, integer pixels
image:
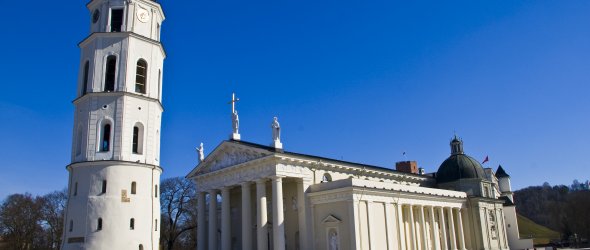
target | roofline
[{"x": 279, "y": 151}]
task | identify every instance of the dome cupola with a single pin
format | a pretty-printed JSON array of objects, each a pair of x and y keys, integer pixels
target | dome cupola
[{"x": 459, "y": 165}]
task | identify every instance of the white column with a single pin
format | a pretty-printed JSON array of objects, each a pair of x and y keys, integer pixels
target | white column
[
  {"x": 412, "y": 226},
  {"x": 212, "y": 220},
  {"x": 261, "y": 215},
  {"x": 225, "y": 219},
  {"x": 452, "y": 230},
  {"x": 401, "y": 226},
  {"x": 434, "y": 230},
  {"x": 443, "y": 227},
  {"x": 201, "y": 230},
  {"x": 390, "y": 226},
  {"x": 278, "y": 216},
  {"x": 302, "y": 219},
  {"x": 246, "y": 217},
  {"x": 460, "y": 228},
  {"x": 423, "y": 229}
]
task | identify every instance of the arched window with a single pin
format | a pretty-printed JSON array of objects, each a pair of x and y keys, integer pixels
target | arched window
[
  {"x": 137, "y": 147},
  {"x": 156, "y": 191},
  {"x": 99, "y": 224},
  {"x": 132, "y": 224},
  {"x": 104, "y": 186},
  {"x": 133, "y": 187},
  {"x": 71, "y": 225},
  {"x": 109, "y": 78},
  {"x": 85, "y": 79},
  {"x": 140, "y": 76},
  {"x": 140, "y": 247},
  {"x": 326, "y": 178},
  {"x": 75, "y": 188},
  {"x": 105, "y": 142}
]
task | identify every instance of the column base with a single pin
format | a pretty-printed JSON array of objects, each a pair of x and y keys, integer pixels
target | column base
[
  {"x": 235, "y": 136},
  {"x": 277, "y": 144}
]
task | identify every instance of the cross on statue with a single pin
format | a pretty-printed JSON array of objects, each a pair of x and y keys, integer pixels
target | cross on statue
[{"x": 233, "y": 102}]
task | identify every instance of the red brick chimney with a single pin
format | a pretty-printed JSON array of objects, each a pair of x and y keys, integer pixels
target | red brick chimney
[{"x": 407, "y": 167}]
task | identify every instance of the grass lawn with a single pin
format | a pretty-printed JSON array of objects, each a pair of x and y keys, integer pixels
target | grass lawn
[{"x": 529, "y": 229}]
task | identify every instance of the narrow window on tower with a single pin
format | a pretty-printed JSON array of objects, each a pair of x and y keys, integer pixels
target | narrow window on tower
[
  {"x": 71, "y": 225},
  {"x": 75, "y": 189},
  {"x": 137, "y": 146},
  {"x": 158, "y": 31},
  {"x": 132, "y": 224},
  {"x": 79, "y": 141},
  {"x": 135, "y": 139},
  {"x": 156, "y": 225},
  {"x": 133, "y": 188},
  {"x": 111, "y": 67},
  {"x": 85, "y": 80},
  {"x": 140, "y": 76},
  {"x": 156, "y": 191},
  {"x": 159, "y": 82},
  {"x": 105, "y": 142},
  {"x": 99, "y": 224},
  {"x": 116, "y": 20},
  {"x": 104, "y": 187}
]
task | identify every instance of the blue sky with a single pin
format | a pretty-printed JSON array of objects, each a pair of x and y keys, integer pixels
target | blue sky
[{"x": 361, "y": 81}]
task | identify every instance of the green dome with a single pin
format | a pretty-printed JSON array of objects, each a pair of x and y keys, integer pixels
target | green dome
[{"x": 459, "y": 165}]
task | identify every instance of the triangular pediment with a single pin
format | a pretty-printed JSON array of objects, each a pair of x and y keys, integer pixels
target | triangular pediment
[
  {"x": 331, "y": 219},
  {"x": 228, "y": 154}
]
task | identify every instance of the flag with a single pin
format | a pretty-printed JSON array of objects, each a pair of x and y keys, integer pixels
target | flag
[{"x": 485, "y": 160}]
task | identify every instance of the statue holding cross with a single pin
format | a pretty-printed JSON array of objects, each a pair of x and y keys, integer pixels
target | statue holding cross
[{"x": 235, "y": 119}]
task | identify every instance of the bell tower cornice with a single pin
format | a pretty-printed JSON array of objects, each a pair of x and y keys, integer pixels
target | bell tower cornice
[{"x": 95, "y": 35}]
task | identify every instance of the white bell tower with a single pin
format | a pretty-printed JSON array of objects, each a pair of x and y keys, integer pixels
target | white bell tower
[{"x": 115, "y": 172}]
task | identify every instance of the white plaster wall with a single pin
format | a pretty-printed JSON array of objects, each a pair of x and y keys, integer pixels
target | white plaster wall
[
  {"x": 339, "y": 210},
  {"x": 89, "y": 204},
  {"x": 513, "y": 235}
]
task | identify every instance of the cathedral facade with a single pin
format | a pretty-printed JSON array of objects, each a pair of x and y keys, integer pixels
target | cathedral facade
[{"x": 274, "y": 199}]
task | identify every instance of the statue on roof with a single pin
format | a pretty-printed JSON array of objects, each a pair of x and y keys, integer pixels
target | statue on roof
[
  {"x": 201, "y": 152},
  {"x": 276, "y": 129}
]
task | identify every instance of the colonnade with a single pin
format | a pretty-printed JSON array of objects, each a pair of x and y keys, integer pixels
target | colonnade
[
  {"x": 420, "y": 229},
  {"x": 278, "y": 222}
]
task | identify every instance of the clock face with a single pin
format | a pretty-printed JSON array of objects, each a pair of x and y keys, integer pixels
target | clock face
[
  {"x": 95, "y": 16},
  {"x": 143, "y": 15}
]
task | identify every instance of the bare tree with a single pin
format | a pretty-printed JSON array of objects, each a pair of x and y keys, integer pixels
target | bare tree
[
  {"x": 52, "y": 212},
  {"x": 20, "y": 218},
  {"x": 178, "y": 211}
]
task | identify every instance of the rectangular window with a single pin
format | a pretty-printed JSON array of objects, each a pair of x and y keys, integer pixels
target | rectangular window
[
  {"x": 156, "y": 225},
  {"x": 156, "y": 193},
  {"x": 104, "y": 186},
  {"x": 116, "y": 20}
]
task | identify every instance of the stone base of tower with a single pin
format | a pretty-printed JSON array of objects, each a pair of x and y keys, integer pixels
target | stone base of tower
[{"x": 113, "y": 205}]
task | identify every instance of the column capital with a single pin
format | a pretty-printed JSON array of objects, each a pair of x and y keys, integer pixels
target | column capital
[
  {"x": 245, "y": 184},
  {"x": 277, "y": 177},
  {"x": 213, "y": 191},
  {"x": 261, "y": 181},
  {"x": 225, "y": 188}
]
